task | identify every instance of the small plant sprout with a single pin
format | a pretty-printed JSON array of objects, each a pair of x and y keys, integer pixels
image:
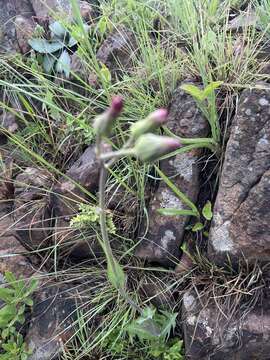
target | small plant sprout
[{"x": 147, "y": 147}]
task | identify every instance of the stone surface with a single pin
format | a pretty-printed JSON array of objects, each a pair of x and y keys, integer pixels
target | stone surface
[
  {"x": 241, "y": 214},
  {"x": 9, "y": 10},
  {"x": 25, "y": 28},
  {"x": 12, "y": 253},
  {"x": 162, "y": 242},
  {"x": 45, "y": 8},
  {"x": 210, "y": 333},
  {"x": 32, "y": 215},
  {"x": 52, "y": 320},
  {"x": 117, "y": 50},
  {"x": 66, "y": 197}
]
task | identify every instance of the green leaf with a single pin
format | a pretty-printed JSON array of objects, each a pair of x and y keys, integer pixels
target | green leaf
[
  {"x": 176, "y": 212},
  {"x": 197, "y": 227},
  {"x": 58, "y": 29},
  {"x": 211, "y": 88},
  {"x": 10, "y": 278},
  {"x": 63, "y": 64},
  {"x": 116, "y": 274},
  {"x": 48, "y": 63},
  {"x": 194, "y": 91},
  {"x": 44, "y": 46},
  {"x": 28, "y": 301},
  {"x": 207, "y": 211},
  {"x": 7, "y": 313},
  {"x": 105, "y": 73},
  {"x": 102, "y": 25},
  {"x": 5, "y": 333},
  {"x": 72, "y": 41},
  {"x": 6, "y": 294}
]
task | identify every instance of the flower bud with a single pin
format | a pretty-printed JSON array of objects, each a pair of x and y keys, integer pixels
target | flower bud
[
  {"x": 150, "y": 147},
  {"x": 103, "y": 123},
  {"x": 149, "y": 124}
]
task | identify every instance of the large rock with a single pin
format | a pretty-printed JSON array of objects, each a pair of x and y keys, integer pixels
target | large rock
[
  {"x": 162, "y": 242},
  {"x": 66, "y": 197},
  {"x": 241, "y": 215},
  {"x": 32, "y": 214},
  {"x": 45, "y": 8},
  {"x": 117, "y": 51},
  {"x": 54, "y": 313},
  {"x": 9, "y": 10},
  {"x": 210, "y": 332}
]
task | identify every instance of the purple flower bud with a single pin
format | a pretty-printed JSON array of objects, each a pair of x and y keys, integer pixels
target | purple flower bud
[
  {"x": 116, "y": 106},
  {"x": 150, "y": 147},
  {"x": 149, "y": 124},
  {"x": 103, "y": 123}
]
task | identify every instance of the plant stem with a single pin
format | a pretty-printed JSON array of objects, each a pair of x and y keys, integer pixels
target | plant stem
[{"x": 104, "y": 233}]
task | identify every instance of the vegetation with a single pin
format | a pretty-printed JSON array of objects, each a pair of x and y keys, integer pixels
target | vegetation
[{"x": 61, "y": 110}]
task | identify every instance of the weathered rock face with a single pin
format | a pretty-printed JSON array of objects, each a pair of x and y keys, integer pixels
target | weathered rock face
[
  {"x": 51, "y": 325},
  {"x": 9, "y": 9},
  {"x": 24, "y": 31},
  {"x": 117, "y": 50},
  {"x": 241, "y": 214},
  {"x": 67, "y": 195},
  {"x": 162, "y": 242},
  {"x": 50, "y": 7},
  {"x": 32, "y": 214},
  {"x": 209, "y": 334}
]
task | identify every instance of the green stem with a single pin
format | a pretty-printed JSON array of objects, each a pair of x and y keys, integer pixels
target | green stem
[{"x": 103, "y": 226}]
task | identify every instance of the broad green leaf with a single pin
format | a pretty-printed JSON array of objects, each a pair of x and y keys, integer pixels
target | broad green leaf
[
  {"x": 116, "y": 274},
  {"x": 6, "y": 294},
  {"x": 176, "y": 212},
  {"x": 197, "y": 227},
  {"x": 7, "y": 313},
  {"x": 194, "y": 91},
  {"x": 48, "y": 63},
  {"x": 5, "y": 333},
  {"x": 63, "y": 64},
  {"x": 207, "y": 211},
  {"x": 211, "y": 88},
  {"x": 44, "y": 46},
  {"x": 58, "y": 29}
]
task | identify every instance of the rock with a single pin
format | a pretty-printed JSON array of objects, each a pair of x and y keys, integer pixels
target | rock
[
  {"x": 54, "y": 313},
  {"x": 162, "y": 242},
  {"x": 9, "y": 10},
  {"x": 50, "y": 8},
  {"x": 241, "y": 214},
  {"x": 185, "y": 265},
  {"x": 8, "y": 122},
  {"x": 88, "y": 12},
  {"x": 158, "y": 293},
  {"x": 210, "y": 334},
  {"x": 66, "y": 196},
  {"x": 117, "y": 51},
  {"x": 12, "y": 253},
  {"x": 79, "y": 69},
  {"x": 31, "y": 208},
  {"x": 25, "y": 28}
]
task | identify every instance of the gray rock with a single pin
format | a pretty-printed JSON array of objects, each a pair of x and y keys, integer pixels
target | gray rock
[
  {"x": 9, "y": 10},
  {"x": 32, "y": 215},
  {"x": 117, "y": 51},
  {"x": 211, "y": 333},
  {"x": 53, "y": 315},
  {"x": 45, "y": 8},
  {"x": 66, "y": 197},
  {"x": 25, "y": 28},
  {"x": 162, "y": 242},
  {"x": 241, "y": 214}
]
